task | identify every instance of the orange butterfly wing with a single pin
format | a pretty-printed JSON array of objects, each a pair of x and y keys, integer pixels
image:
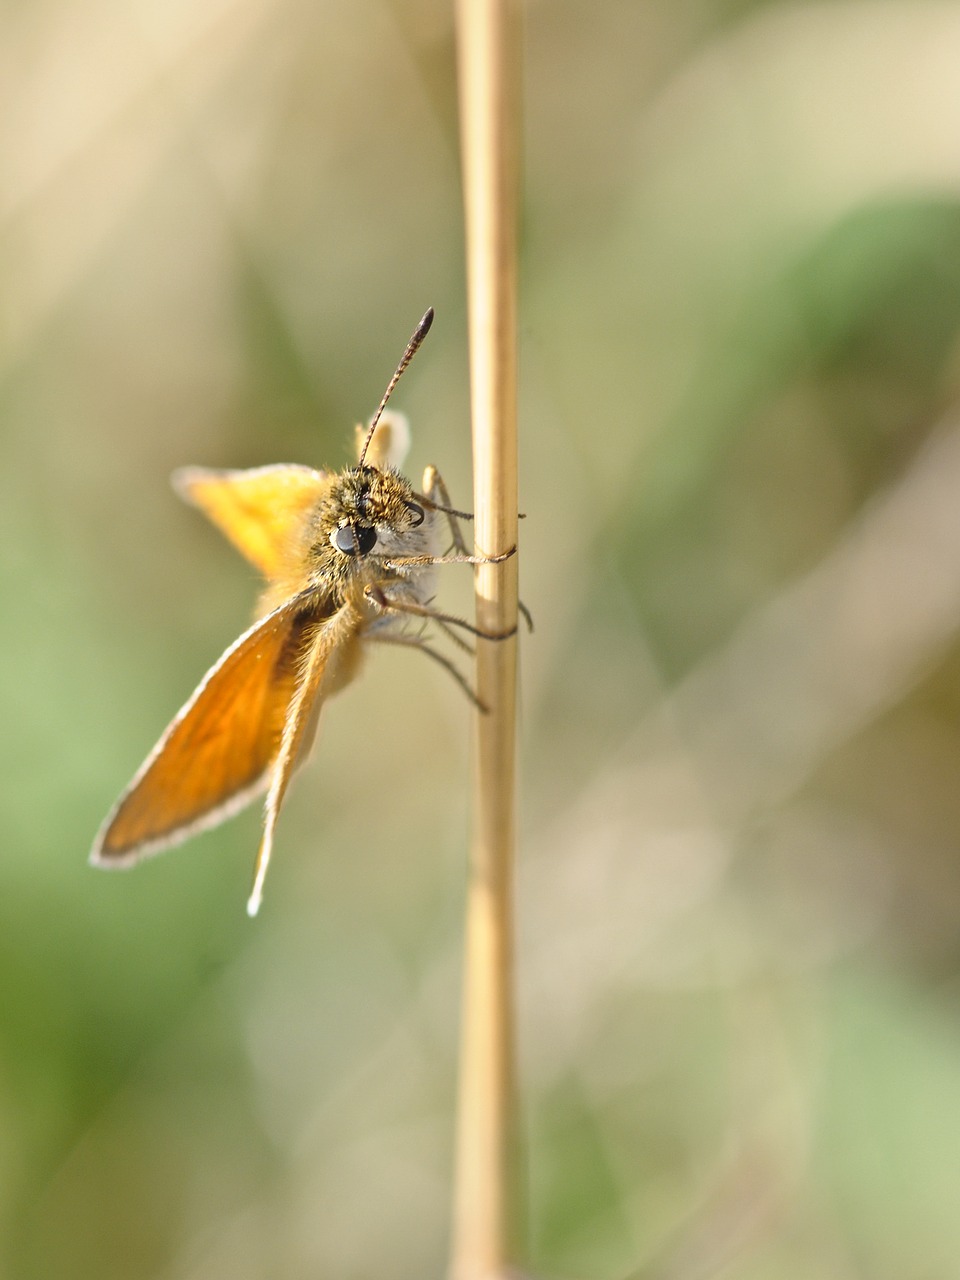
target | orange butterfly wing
[
  {"x": 217, "y": 753},
  {"x": 261, "y": 511}
]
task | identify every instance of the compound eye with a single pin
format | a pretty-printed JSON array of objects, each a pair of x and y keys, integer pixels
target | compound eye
[
  {"x": 417, "y": 512},
  {"x": 354, "y": 539}
]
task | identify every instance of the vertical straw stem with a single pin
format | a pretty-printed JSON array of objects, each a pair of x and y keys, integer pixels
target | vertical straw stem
[{"x": 485, "y": 1191}]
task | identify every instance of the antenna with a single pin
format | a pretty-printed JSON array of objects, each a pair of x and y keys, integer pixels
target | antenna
[{"x": 421, "y": 331}]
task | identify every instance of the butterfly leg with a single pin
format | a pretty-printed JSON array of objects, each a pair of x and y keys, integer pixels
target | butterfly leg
[
  {"x": 380, "y": 598},
  {"x": 414, "y": 642},
  {"x": 437, "y": 496},
  {"x": 404, "y": 562}
]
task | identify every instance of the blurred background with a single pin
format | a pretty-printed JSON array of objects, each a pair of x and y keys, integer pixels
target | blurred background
[{"x": 739, "y": 894}]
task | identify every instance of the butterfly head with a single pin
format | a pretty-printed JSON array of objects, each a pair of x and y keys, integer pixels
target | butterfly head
[{"x": 368, "y": 510}]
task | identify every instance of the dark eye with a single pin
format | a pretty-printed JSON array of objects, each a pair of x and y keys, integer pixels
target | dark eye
[
  {"x": 417, "y": 513},
  {"x": 354, "y": 539}
]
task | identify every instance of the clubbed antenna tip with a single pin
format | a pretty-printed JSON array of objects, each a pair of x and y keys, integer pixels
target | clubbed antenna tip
[{"x": 423, "y": 328}]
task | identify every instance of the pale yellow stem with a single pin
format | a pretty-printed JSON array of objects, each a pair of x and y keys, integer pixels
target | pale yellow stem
[{"x": 485, "y": 1194}]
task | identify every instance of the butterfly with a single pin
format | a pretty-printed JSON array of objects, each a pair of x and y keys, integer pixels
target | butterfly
[{"x": 348, "y": 558}]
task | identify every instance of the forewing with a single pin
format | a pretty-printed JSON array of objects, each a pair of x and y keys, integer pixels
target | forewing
[
  {"x": 261, "y": 510},
  {"x": 216, "y": 755}
]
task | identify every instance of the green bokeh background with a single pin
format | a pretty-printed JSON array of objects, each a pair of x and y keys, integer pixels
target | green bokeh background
[{"x": 739, "y": 894}]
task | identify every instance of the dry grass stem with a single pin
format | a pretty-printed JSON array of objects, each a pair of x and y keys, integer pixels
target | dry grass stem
[{"x": 484, "y": 1225}]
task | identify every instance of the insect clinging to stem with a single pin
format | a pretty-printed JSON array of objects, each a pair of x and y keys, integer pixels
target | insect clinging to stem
[{"x": 348, "y": 559}]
